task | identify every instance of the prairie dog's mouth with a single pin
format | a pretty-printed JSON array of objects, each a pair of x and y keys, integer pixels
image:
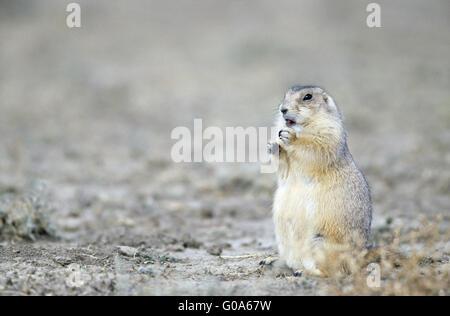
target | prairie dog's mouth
[{"x": 289, "y": 121}]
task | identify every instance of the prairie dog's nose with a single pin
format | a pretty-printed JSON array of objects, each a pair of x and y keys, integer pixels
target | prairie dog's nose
[{"x": 283, "y": 109}]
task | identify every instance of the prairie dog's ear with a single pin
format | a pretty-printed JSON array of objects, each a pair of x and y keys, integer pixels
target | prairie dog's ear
[{"x": 331, "y": 106}]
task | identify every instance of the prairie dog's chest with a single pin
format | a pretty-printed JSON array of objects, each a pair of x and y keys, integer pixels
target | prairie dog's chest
[{"x": 296, "y": 200}]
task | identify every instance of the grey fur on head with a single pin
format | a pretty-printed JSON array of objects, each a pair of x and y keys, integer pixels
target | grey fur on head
[{"x": 299, "y": 88}]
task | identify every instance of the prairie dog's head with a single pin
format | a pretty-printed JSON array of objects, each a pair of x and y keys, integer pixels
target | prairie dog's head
[{"x": 308, "y": 108}]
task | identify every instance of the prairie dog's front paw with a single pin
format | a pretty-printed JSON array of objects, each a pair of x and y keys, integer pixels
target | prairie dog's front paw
[
  {"x": 273, "y": 148},
  {"x": 287, "y": 136}
]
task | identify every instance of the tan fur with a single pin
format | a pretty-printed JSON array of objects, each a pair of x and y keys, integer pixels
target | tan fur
[{"x": 322, "y": 203}]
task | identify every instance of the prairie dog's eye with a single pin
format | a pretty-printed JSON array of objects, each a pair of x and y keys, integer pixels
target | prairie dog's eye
[{"x": 307, "y": 97}]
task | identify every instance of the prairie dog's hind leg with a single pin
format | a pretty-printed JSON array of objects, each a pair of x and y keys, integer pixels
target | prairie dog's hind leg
[{"x": 268, "y": 261}]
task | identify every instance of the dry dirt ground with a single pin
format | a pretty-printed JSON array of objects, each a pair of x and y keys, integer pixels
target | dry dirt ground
[{"x": 86, "y": 116}]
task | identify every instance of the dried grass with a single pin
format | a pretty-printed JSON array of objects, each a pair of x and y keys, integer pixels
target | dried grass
[
  {"x": 25, "y": 218},
  {"x": 405, "y": 262}
]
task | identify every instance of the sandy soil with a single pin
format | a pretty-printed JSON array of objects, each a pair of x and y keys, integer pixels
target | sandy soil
[{"x": 86, "y": 116}]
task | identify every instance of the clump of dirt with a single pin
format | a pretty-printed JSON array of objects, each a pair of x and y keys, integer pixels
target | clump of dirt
[{"x": 25, "y": 218}]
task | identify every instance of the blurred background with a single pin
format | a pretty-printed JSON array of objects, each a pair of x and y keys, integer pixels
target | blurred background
[{"x": 89, "y": 113}]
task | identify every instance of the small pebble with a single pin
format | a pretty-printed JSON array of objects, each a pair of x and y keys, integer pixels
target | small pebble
[
  {"x": 215, "y": 250},
  {"x": 127, "y": 251},
  {"x": 145, "y": 270}
]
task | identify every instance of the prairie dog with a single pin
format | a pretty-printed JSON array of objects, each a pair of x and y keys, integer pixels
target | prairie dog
[{"x": 322, "y": 201}]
